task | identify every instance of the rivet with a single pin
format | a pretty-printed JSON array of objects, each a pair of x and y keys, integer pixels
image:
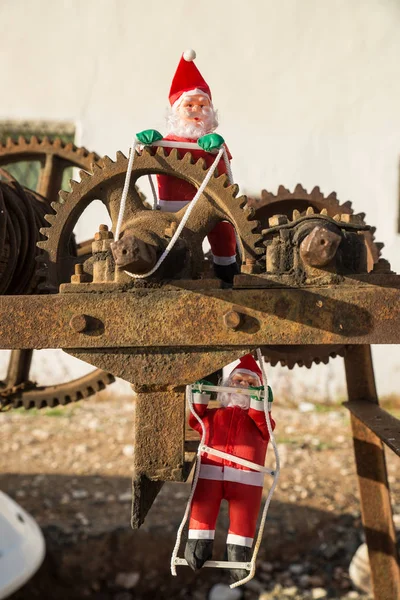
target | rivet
[
  {"x": 232, "y": 319},
  {"x": 79, "y": 323}
]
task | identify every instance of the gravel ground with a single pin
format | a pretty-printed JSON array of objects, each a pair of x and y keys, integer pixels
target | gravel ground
[{"x": 71, "y": 469}]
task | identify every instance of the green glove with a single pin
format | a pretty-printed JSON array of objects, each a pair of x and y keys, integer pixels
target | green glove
[
  {"x": 149, "y": 136},
  {"x": 210, "y": 142}
]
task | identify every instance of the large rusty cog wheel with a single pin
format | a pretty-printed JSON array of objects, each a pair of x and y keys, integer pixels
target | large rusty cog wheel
[
  {"x": 284, "y": 203},
  {"x": 219, "y": 202},
  {"x": 17, "y": 390}
]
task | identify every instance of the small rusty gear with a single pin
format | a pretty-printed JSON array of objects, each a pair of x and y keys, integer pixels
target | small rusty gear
[
  {"x": 218, "y": 202},
  {"x": 54, "y": 156},
  {"x": 286, "y": 202}
]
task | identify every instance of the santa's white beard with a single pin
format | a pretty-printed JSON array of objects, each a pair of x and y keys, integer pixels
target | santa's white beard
[
  {"x": 233, "y": 398},
  {"x": 207, "y": 124}
]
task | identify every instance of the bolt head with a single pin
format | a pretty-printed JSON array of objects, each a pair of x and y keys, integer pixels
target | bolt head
[
  {"x": 79, "y": 323},
  {"x": 232, "y": 319}
]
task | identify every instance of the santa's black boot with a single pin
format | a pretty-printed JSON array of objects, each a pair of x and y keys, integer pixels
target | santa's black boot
[
  {"x": 236, "y": 553},
  {"x": 226, "y": 272},
  {"x": 197, "y": 552}
]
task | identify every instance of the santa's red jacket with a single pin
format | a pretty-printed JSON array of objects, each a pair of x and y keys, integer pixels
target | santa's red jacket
[
  {"x": 239, "y": 432},
  {"x": 175, "y": 193}
]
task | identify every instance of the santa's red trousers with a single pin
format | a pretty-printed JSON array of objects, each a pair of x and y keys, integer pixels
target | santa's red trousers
[{"x": 244, "y": 504}]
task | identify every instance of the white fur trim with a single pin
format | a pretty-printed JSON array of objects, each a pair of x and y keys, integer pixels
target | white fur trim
[
  {"x": 247, "y": 371},
  {"x": 245, "y": 477},
  {"x": 201, "y": 398},
  {"x": 239, "y": 540},
  {"x": 257, "y": 405},
  {"x": 194, "y": 92},
  {"x": 201, "y": 534},
  {"x": 211, "y": 472},
  {"x": 224, "y": 260},
  {"x": 172, "y": 205}
]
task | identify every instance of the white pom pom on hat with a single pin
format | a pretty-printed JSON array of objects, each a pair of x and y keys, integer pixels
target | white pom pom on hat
[{"x": 189, "y": 55}]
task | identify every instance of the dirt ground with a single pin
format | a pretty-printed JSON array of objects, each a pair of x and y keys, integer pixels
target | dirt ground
[{"x": 71, "y": 469}]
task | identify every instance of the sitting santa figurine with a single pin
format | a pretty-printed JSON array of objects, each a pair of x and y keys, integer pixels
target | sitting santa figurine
[
  {"x": 238, "y": 428},
  {"x": 192, "y": 118}
]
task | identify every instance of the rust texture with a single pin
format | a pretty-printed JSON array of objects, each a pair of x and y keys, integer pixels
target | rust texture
[
  {"x": 24, "y": 212},
  {"x": 372, "y": 479},
  {"x": 158, "y": 318},
  {"x": 159, "y": 435},
  {"x": 382, "y": 424}
]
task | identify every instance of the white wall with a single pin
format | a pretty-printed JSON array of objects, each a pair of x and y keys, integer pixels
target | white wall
[{"x": 308, "y": 91}]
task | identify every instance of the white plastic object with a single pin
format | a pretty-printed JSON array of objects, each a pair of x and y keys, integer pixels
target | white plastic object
[
  {"x": 216, "y": 564},
  {"x": 22, "y": 546}
]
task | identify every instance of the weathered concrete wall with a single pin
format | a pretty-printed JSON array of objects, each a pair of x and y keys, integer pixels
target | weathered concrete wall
[{"x": 307, "y": 91}]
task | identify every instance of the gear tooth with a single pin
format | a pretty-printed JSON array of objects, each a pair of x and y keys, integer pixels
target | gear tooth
[
  {"x": 296, "y": 215},
  {"x": 21, "y": 140},
  {"x": 33, "y": 140},
  {"x": 337, "y": 217},
  {"x": 250, "y": 212},
  {"x": 264, "y": 195},
  {"x": 50, "y": 218},
  {"x": 201, "y": 163},
  {"x": 316, "y": 191},
  {"x": 63, "y": 197},
  {"x": 299, "y": 189},
  {"x": 282, "y": 190},
  {"x": 174, "y": 154},
  {"x": 57, "y": 142},
  {"x": 83, "y": 174},
  {"x": 361, "y": 216},
  {"x": 373, "y": 230},
  {"x": 44, "y": 231},
  {"x": 310, "y": 211},
  {"x": 234, "y": 188},
  {"x": 95, "y": 166},
  {"x": 323, "y": 211},
  {"x": 73, "y": 184},
  {"x": 308, "y": 363},
  {"x": 188, "y": 159},
  {"x": 45, "y": 141},
  {"x": 161, "y": 152},
  {"x": 70, "y": 147},
  {"x": 107, "y": 162},
  {"x": 242, "y": 202},
  {"x": 10, "y": 143},
  {"x": 379, "y": 245},
  {"x": 82, "y": 151},
  {"x": 120, "y": 156},
  {"x": 347, "y": 205},
  {"x": 332, "y": 196},
  {"x": 222, "y": 178}
]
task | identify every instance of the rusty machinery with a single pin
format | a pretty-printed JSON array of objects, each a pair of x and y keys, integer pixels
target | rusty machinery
[{"x": 311, "y": 286}]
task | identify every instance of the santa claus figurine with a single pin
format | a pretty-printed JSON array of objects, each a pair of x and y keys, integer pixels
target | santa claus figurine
[
  {"x": 192, "y": 118},
  {"x": 238, "y": 428}
]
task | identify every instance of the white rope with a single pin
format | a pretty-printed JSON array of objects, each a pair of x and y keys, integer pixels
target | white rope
[
  {"x": 153, "y": 189},
  {"x": 125, "y": 190},
  {"x": 189, "y": 398},
  {"x": 182, "y": 224},
  {"x": 273, "y": 486},
  {"x": 228, "y": 166}
]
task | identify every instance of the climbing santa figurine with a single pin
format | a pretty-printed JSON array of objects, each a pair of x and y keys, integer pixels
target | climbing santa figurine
[
  {"x": 192, "y": 118},
  {"x": 238, "y": 428}
]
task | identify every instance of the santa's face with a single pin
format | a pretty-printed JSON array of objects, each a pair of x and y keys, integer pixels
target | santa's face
[
  {"x": 239, "y": 380},
  {"x": 192, "y": 117},
  {"x": 191, "y": 109}
]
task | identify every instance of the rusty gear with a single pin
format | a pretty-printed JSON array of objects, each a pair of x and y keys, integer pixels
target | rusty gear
[
  {"x": 286, "y": 202},
  {"x": 54, "y": 157},
  {"x": 219, "y": 202}
]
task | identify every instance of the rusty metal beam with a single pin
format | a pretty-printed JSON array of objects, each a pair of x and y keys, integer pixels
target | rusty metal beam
[
  {"x": 181, "y": 318},
  {"x": 372, "y": 479},
  {"x": 379, "y": 421}
]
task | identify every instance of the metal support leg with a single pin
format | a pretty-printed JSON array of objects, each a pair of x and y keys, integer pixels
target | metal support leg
[
  {"x": 159, "y": 446},
  {"x": 373, "y": 484}
]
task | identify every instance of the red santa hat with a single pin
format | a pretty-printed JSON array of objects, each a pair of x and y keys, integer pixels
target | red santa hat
[
  {"x": 187, "y": 79},
  {"x": 248, "y": 365}
]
